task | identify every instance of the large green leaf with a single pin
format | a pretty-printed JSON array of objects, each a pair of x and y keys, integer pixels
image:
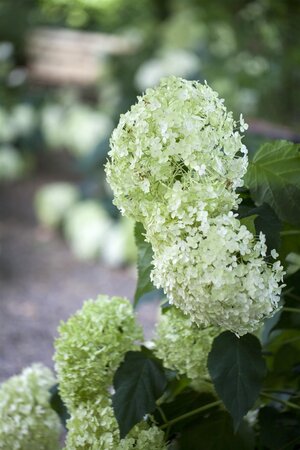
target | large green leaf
[
  {"x": 144, "y": 263},
  {"x": 273, "y": 177},
  {"x": 138, "y": 383},
  {"x": 237, "y": 369},
  {"x": 215, "y": 432}
]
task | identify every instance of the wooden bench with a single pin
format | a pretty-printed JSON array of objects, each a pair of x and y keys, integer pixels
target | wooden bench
[{"x": 62, "y": 56}]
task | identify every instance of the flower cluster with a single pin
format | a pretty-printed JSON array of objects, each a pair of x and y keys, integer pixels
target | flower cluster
[
  {"x": 143, "y": 437},
  {"x": 176, "y": 163},
  {"x": 175, "y": 154},
  {"x": 183, "y": 346},
  {"x": 221, "y": 277},
  {"x": 93, "y": 427},
  {"x": 91, "y": 346},
  {"x": 27, "y": 421}
]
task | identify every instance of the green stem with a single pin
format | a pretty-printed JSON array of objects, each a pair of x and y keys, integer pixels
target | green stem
[
  {"x": 191, "y": 413},
  {"x": 278, "y": 400},
  {"x": 278, "y": 391},
  {"x": 293, "y": 296},
  {"x": 289, "y": 232},
  {"x": 292, "y": 310},
  {"x": 164, "y": 417},
  {"x": 294, "y": 339}
]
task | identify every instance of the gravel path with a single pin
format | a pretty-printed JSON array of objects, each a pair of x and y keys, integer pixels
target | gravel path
[{"x": 41, "y": 283}]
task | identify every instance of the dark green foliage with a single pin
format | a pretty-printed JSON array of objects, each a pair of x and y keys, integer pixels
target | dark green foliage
[
  {"x": 283, "y": 360},
  {"x": 273, "y": 177},
  {"x": 58, "y": 405},
  {"x": 279, "y": 430},
  {"x": 288, "y": 319},
  {"x": 138, "y": 383},
  {"x": 215, "y": 432},
  {"x": 237, "y": 369},
  {"x": 262, "y": 219},
  {"x": 186, "y": 401},
  {"x": 144, "y": 264}
]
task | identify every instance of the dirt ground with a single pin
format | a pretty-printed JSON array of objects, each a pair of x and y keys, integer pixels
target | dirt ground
[{"x": 42, "y": 283}]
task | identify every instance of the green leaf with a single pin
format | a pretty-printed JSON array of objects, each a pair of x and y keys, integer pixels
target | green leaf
[
  {"x": 265, "y": 221},
  {"x": 278, "y": 339},
  {"x": 237, "y": 369},
  {"x": 144, "y": 263},
  {"x": 249, "y": 223},
  {"x": 215, "y": 432},
  {"x": 269, "y": 224},
  {"x": 58, "y": 405},
  {"x": 282, "y": 367},
  {"x": 279, "y": 431},
  {"x": 139, "y": 382},
  {"x": 273, "y": 177},
  {"x": 176, "y": 384}
]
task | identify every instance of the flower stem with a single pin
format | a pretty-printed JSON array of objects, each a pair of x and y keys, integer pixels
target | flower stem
[
  {"x": 163, "y": 416},
  {"x": 279, "y": 391},
  {"x": 293, "y": 296},
  {"x": 289, "y": 232},
  {"x": 292, "y": 310},
  {"x": 279, "y": 400},
  {"x": 191, "y": 413}
]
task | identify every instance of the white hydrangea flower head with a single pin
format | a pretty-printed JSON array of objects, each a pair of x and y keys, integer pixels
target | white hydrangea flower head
[
  {"x": 27, "y": 422},
  {"x": 91, "y": 346},
  {"x": 183, "y": 346},
  {"x": 93, "y": 426},
  {"x": 178, "y": 148},
  {"x": 219, "y": 277},
  {"x": 177, "y": 160}
]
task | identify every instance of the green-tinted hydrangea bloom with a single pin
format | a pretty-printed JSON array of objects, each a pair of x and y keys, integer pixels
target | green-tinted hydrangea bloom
[
  {"x": 91, "y": 346},
  {"x": 93, "y": 426},
  {"x": 27, "y": 421},
  {"x": 183, "y": 346},
  {"x": 176, "y": 155},
  {"x": 176, "y": 162},
  {"x": 220, "y": 277}
]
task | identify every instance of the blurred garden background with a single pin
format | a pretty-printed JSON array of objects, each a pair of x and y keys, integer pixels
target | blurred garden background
[{"x": 68, "y": 69}]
